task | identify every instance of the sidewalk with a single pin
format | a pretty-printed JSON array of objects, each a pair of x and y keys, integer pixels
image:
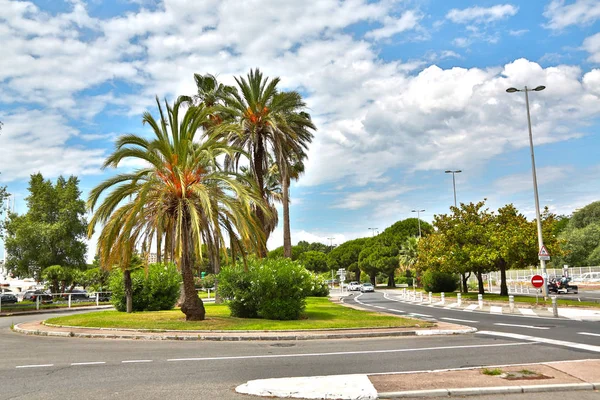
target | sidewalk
[{"x": 520, "y": 378}]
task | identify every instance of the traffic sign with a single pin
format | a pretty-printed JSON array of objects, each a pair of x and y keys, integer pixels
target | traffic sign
[
  {"x": 537, "y": 281},
  {"x": 544, "y": 252}
]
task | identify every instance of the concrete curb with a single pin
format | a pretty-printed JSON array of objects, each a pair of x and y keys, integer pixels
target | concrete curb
[
  {"x": 55, "y": 310},
  {"x": 205, "y": 335},
  {"x": 488, "y": 390}
]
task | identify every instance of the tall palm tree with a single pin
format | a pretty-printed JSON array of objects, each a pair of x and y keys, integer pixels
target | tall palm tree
[
  {"x": 182, "y": 194},
  {"x": 264, "y": 122}
]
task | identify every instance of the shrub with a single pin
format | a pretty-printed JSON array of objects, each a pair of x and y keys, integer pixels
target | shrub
[
  {"x": 319, "y": 287},
  {"x": 436, "y": 281},
  {"x": 403, "y": 280},
  {"x": 154, "y": 291},
  {"x": 271, "y": 288}
]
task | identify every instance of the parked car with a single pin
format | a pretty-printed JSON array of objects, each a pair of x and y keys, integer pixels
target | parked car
[
  {"x": 367, "y": 287},
  {"x": 7, "y": 297},
  {"x": 105, "y": 296},
  {"x": 32, "y": 295},
  {"x": 76, "y": 295},
  {"x": 353, "y": 286}
]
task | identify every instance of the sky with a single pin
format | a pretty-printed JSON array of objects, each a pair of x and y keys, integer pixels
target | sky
[{"x": 400, "y": 91}]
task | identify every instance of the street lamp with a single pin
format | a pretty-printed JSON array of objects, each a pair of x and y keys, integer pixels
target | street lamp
[
  {"x": 458, "y": 171},
  {"x": 535, "y": 189},
  {"x": 373, "y": 230},
  {"x": 418, "y": 219},
  {"x": 330, "y": 243}
]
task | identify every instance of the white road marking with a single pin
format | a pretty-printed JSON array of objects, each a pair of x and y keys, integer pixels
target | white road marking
[
  {"x": 460, "y": 320},
  {"x": 35, "y": 366},
  {"x": 580, "y": 346},
  {"x": 136, "y": 361},
  {"x": 420, "y": 315},
  {"x": 89, "y": 363},
  {"x": 383, "y": 308},
  {"x": 527, "y": 311},
  {"x": 452, "y": 305},
  {"x": 393, "y": 309},
  {"x": 523, "y": 326},
  {"x": 588, "y": 334},
  {"x": 495, "y": 310},
  {"x": 471, "y": 307},
  {"x": 343, "y": 353}
]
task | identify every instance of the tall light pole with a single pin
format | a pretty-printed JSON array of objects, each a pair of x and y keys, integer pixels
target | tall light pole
[
  {"x": 418, "y": 219},
  {"x": 535, "y": 189},
  {"x": 373, "y": 230},
  {"x": 458, "y": 171},
  {"x": 330, "y": 243}
]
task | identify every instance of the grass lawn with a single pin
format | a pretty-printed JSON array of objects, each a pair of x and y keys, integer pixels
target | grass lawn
[{"x": 320, "y": 314}]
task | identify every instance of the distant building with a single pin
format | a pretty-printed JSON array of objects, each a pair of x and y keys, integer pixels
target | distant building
[{"x": 152, "y": 258}]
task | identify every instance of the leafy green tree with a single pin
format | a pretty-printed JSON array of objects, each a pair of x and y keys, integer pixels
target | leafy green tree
[
  {"x": 346, "y": 256},
  {"x": 52, "y": 232},
  {"x": 379, "y": 258},
  {"x": 399, "y": 232},
  {"x": 580, "y": 240},
  {"x": 182, "y": 195},
  {"x": 314, "y": 261}
]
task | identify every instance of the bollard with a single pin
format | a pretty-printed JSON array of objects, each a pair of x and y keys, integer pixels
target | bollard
[
  {"x": 37, "y": 302},
  {"x": 458, "y": 299},
  {"x": 554, "y": 307},
  {"x": 69, "y": 306},
  {"x": 480, "y": 301},
  {"x": 0, "y": 303},
  {"x": 97, "y": 299},
  {"x": 420, "y": 297},
  {"x": 430, "y": 297},
  {"x": 511, "y": 303},
  {"x": 209, "y": 293},
  {"x": 404, "y": 293},
  {"x": 443, "y": 300}
]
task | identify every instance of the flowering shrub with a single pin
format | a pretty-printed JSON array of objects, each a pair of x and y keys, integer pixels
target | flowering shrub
[
  {"x": 157, "y": 290},
  {"x": 271, "y": 288}
]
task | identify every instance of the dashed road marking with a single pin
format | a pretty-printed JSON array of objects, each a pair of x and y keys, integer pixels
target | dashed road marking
[
  {"x": 580, "y": 346},
  {"x": 527, "y": 311},
  {"x": 523, "y": 326},
  {"x": 495, "y": 310},
  {"x": 88, "y": 363},
  {"x": 471, "y": 307},
  {"x": 420, "y": 315},
  {"x": 135, "y": 361},
  {"x": 460, "y": 320},
  {"x": 35, "y": 366},
  {"x": 588, "y": 334}
]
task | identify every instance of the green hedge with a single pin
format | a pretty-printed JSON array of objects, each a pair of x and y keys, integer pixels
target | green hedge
[
  {"x": 270, "y": 289},
  {"x": 435, "y": 281},
  {"x": 154, "y": 291}
]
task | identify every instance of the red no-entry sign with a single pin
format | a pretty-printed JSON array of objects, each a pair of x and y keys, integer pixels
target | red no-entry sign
[{"x": 537, "y": 281}]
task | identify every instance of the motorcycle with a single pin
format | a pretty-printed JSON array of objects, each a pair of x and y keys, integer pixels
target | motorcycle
[{"x": 562, "y": 285}]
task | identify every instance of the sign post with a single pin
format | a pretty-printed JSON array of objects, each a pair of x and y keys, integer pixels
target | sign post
[{"x": 537, "y": 281}]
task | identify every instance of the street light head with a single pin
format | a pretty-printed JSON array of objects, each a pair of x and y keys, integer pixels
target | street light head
[
  {"x": 448, "y": 171},
  {"x": 539, "y": 88},
  {"x": 512, "y": 90},
  {"x": 459, "y": 171}
]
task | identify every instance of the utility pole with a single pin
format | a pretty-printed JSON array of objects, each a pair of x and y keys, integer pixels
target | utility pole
[{"x": 373, "y": 230}]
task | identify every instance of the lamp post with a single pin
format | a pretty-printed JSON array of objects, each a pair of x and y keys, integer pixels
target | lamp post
[
  {"x": 373, "y": 230},
  {"x": 458, "y": 171},
  {"x": 535, "y": 189},
  {"x": 419, "y": 219},
  {"x": 330, "y": 243}
]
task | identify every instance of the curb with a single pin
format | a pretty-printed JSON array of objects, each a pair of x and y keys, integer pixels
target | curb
[
  {"x": 488, "y": 390},
  {"x": 202, "y": 336},
  {"x": 55, "y": 310}
]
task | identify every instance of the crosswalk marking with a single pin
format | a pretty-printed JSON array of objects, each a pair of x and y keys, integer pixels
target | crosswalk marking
[
  {"x": 496, "y": 310},
  {"x": 471, "y": 307},
  {"x": 527, "y": 311}
]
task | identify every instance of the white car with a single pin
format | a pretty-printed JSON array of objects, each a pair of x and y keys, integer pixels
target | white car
[
  {"x": 366, "y": 287},
  {"x": 353, "y": 286}
]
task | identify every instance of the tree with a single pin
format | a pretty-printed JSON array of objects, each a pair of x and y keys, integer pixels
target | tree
[
  {"x": 379, "y": 258},
  {"x": 264, "y": 122},
  {"x": 182, "y": 195},
  {"x": 346, "y": 256},
  {"x": 52, "y": 232},
  {"x": 580, "y": 239},
  {"x": 314, "y": 261}
]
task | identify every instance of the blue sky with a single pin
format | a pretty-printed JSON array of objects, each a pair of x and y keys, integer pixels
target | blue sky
[{"x": 400, "y": 91}]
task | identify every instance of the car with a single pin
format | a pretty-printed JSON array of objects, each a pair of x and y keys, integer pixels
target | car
[
  {"x": 76, "y": 295},
  {"x": 367, "y": 287},
  {"x": 7, "y": 297},
  {"x": 32, "y": 295},
  {"x": 352, "y": 286}
]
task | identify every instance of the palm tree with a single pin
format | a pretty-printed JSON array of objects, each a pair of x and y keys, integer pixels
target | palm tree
[
  {"x": 263, "y": 121},
  {"x": 409, "y": 253},
  {"x": 182, "y": 194}
]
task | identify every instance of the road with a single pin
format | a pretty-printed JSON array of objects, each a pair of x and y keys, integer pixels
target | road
[{"x": 69, "y": 368}]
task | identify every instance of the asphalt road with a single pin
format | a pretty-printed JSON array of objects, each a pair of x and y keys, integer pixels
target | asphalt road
[
  {"x": 34, "y": 367},
  {"x": 560, "y": 329}
]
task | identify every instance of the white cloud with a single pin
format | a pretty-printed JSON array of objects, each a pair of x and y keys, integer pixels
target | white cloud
[
  {"x": 592, "y": 45},
  {"x": 364, "y": 198},
  {"x": 481, "y": 14},
  {"x": 518, "y": 32},
  {"x": 579, "y": 12},
  {"x": 391, "y": 26},
  {"x": 524, "y": 182}
]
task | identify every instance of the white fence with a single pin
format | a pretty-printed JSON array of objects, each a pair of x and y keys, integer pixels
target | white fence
[
  {"x": 34, "y": 301},
  {"x": 524, "y": 275}
]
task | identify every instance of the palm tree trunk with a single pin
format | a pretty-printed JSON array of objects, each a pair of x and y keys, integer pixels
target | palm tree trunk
[
  {"x": 128, "y": 291},
  {"x": 260, "y": 180},
  {"x": 287, "y": 235},
  {"x": 192, "y": 306},
  {"x": 158, "y": 246}
]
